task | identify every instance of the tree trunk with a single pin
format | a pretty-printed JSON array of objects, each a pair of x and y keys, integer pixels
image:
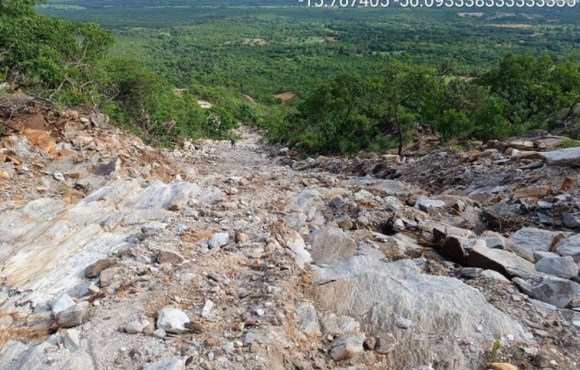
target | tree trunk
[{"x": 400, "y": 133}]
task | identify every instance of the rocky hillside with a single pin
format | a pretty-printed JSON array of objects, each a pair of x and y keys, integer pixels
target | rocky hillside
[{"x": 116, "y": 255}]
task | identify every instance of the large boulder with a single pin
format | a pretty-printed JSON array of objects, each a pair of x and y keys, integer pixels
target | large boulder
[
  {"x": 562, "y": 267},
  {"x": 502, "y": 261},
  {"x": 570, "y": 247},
  {"x": 563, "y": 157},
  {"x": 404, "y": 308},
  {"x": 534, "y": 239},
  {"x": 331, "y": 244},
  {"x": 550, "y": 289}
]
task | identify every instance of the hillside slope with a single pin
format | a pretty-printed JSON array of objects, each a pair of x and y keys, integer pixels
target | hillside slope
[{"x": 118, "y": 255}]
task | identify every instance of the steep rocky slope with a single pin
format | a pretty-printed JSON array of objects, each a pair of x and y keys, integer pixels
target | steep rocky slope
[{"x": 116, "y": 255}]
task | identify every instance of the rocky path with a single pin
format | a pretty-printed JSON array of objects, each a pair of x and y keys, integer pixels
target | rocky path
[{"x": 120, "y": 256}]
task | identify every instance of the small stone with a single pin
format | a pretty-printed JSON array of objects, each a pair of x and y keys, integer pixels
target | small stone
[
  {"x": 72, "y": 316},
  {"x": 572, "y": 220},
  {"x": 500, "y": 366},
  {"x": 403, "y": 323},
  {"x": 171, "y": 257},
  {"x": 470, "y": 272},
  {"x": 307, "y": 320},
  {"x": 398, "y": 225},
  {"x": 172, "y": 363},
  {"x": 229, "y": 348},
  {"x": 210, "y": 342},
  {"x": 241, "y": 238},
  {"x": 251, "y": 337},
  {"x": 423, "y": 203},
  {"x": 370, "y": 343},
  {"x": 109, "y": 275},
  {"x": 93, "y": 289},
  {"x": 72, "y": 339},
  {"x": 96, "y": 268},
  {"x": 208, "y": 306},
  {"x": 218, "y": 240},
  {"x": 62, "y": 303},
  {"x": 260, "y": 312},
  {"x": 159, "y": 333},
  {"x": 134, "y": 327},
  {"x": 58, "y": 176},
  {"x": 337, "y": 202},
  {"x": 172, "y": 320},
  {"x": 345, "y": 347}
]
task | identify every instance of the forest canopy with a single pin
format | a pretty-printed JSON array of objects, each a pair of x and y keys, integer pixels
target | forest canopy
[{"x": 362, "y": 79}]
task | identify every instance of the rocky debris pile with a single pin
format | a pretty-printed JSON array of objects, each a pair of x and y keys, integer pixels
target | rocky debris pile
[
  {"x": 224, "y": 258},
  {"x": 522, "y": 182}
]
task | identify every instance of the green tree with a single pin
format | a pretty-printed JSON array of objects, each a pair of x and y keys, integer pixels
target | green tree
[{"x": 410, "y": 94}]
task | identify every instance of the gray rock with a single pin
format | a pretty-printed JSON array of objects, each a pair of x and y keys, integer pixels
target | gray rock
[
  {"x": 307, "y": 320},
  {"x": 550, "y": 289},
  {"x": 59, "y": 176},
  {"x": 458, "y": 247},
  {"x": 293, "y": 241},
  {"x": 534, "y": 239},
  {"x": 251, "y": 337},
  {"x": 403, "y": 323},
  {"x": 378, "y": 293},
  {"x": 229, "y": 348},
  {"x": 470, "y": 272},
  {"x": 72, "y": 339},
  {"x": 498, "y": 241},
  {"x": 304, "y": 200},
  {"x": 563, "y": 267},
  {"x": 153, "y": 226},
  {"x": 570, "y": 247},
  {"x": 107, "y": 169},
  {"x": 159, "y": 333},
  {"x": 171, "y": 363},
  {"x": 572, "y": 220},
  {"x": 207, "y": 307},
  {"x": 134, "y": 327},
  {"x": 98, "y": 119},
  {"x": 502, "y": 261},
  {"x": 110, "y": 275},
  {"x": 337, "y": 202},
  {"x": 72, "y": 316},
  {"x": 347, "y": 346},
  {"x": 494, "y": 242},
  {"x": 95, "y": 269},
  {"x": 62, "y": 303},
  {"x": 172, "y": 320},
  {"x": 563, "y": 157},
  {"x": 338, "y": 325},
  {"x": 494, "y": 275},
  {"x": 211, "y": 196},
  {"x": 423, "y": 203},
  {"x": 169, "y": 256},
  {"x": 80, "y": 360},
  {"x": 398, "y": 225},
  {"x": 538, "y": 255},
  {"x": 330, "y": 244},
  {"x": 219, "y": 240}
]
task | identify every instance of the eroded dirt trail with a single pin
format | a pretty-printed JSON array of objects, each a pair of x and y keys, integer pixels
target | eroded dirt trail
[{"x": 116, "y": 255}]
